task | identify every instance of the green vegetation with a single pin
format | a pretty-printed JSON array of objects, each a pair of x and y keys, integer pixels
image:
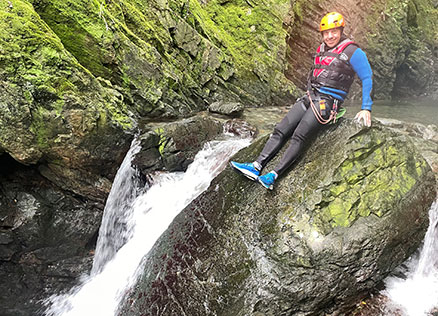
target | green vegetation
[
  {"x": 360, "y": 190},
  {"x": 251, "y": 33},
  {"x": 48, "y": 85},
  {"x": 400, "y": 43},
  {"x": 171, "y": 57}
]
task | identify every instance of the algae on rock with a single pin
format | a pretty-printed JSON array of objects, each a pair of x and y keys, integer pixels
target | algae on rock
[
  {"x": 47, "y": 97},
  {"x": 173, "y": 58}
]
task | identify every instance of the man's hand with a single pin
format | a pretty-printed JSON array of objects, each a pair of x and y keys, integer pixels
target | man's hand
[{"x": 364, "y": 116}]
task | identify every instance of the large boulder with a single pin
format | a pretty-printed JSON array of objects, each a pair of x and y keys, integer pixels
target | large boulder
[{"x": 345, "y": 215}]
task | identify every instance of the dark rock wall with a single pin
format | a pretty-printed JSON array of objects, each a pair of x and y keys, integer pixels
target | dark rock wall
[
  {"x": 47, "y": 236},
  {"x": 397, "y": 36}
]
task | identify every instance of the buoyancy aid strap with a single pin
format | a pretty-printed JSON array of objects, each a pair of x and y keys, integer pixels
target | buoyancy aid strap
[
  {"x": 326, "y": 54},
  {"x": 341, "y": 46},
  {"x": 347, "y": 70},
  {"x": 330, "y": 83}
]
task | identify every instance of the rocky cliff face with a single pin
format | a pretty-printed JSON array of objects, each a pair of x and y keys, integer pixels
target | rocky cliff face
[
  {"x": 173, "y": 58},
  {"x": 63, "y": 134},
  {"x": 398, "y": 37}
]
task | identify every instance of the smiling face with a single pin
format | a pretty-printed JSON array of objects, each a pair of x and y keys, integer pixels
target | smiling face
[{"x": 332, "y": 37}]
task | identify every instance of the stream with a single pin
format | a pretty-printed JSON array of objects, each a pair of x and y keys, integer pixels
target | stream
[{"x": 135, "y": 217}]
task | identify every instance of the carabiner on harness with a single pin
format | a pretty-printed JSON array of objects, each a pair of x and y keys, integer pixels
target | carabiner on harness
[{"x": 317, "y": 113}]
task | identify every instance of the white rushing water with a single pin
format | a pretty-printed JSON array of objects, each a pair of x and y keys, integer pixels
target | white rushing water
[
  {"x": 417, "y": 294},
  {"x": 145, "y": 217},
  {"x": 117, "y": 222}
]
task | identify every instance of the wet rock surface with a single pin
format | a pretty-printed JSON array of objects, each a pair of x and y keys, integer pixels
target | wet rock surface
[
  {"x": 337, "y": 224},
  {"x": 240, "y": 128},
  {"x": 227, "y": 108},
  {"x": 46, "y": 238},
  {"x": 425, "y": 138},
  {"x": 172, "y": 146}
]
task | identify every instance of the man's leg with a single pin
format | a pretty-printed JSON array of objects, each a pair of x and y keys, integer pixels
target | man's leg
[
  {"x": 282, "y": 132},
  {"x": 306, "y": 128}
]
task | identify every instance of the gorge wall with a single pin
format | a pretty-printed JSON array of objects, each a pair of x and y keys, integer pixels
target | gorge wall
[
  {"x": 79, "y": 78},
  {"x": 399, "y": 38}
]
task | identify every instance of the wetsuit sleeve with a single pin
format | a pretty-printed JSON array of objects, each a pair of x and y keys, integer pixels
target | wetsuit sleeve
[{"x": 361, "y": 66}]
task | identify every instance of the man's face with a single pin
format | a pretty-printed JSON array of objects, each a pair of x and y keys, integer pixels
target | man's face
[{"x": 332, "y": 37}]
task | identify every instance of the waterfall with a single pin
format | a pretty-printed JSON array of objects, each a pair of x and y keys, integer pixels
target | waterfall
[
  {"x": 116, "y": 227},
  {"x": 147, "y": 216},
  {"x": 417, "y": 294}
]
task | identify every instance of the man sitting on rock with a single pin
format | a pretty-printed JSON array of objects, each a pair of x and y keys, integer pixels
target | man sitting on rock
[{"x": 336, "y": 62}]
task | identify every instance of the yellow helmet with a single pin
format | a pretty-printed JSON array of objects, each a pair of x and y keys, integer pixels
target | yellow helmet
[{"x": 331, "y": 20}]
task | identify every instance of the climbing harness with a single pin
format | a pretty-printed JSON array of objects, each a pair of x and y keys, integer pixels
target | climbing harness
[{"x": 334, "y": 115}]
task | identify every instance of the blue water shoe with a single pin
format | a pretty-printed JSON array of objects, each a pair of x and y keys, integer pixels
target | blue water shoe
[
  {"x": 268, "y": 179},
  {"x": 247, "y": 169}
]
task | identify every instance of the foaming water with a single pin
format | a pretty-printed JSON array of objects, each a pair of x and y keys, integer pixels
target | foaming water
[
  {"x": 417, "y": 295},
  {"x": 149, "y": 216}
]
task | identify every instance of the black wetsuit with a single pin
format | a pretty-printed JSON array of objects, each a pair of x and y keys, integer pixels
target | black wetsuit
[{"x": 301, "y": 124}]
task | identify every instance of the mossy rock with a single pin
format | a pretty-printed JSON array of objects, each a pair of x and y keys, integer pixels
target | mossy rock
[
  {"x": 173, "y": 146},
  {"x": 345, "y": 215},
  {"x": 53, "y": 110},
  {"x": 174, "y": 58}
]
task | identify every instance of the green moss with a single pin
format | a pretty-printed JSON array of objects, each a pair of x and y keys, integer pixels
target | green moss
[
  {"x": 135, "y": 45},
  {"x": 401, "y": 37},
  {"x": 79, "y": 25},
  {"x": 368, "y": 182},
  {"x": 51, "y": 80},
  {"x": 248, "y": 32},
  {"x": 163, "y": 140},
  {"x": 146, "y": 24},
  {"x": 423, "y": 16},
  {"x": 338, "y": 189},
  {"x": 46, "y": 126},
  {"x": 304, "y": 261}
]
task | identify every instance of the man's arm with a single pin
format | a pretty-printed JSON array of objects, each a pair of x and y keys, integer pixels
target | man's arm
[{"x": 361, "y": 66}]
